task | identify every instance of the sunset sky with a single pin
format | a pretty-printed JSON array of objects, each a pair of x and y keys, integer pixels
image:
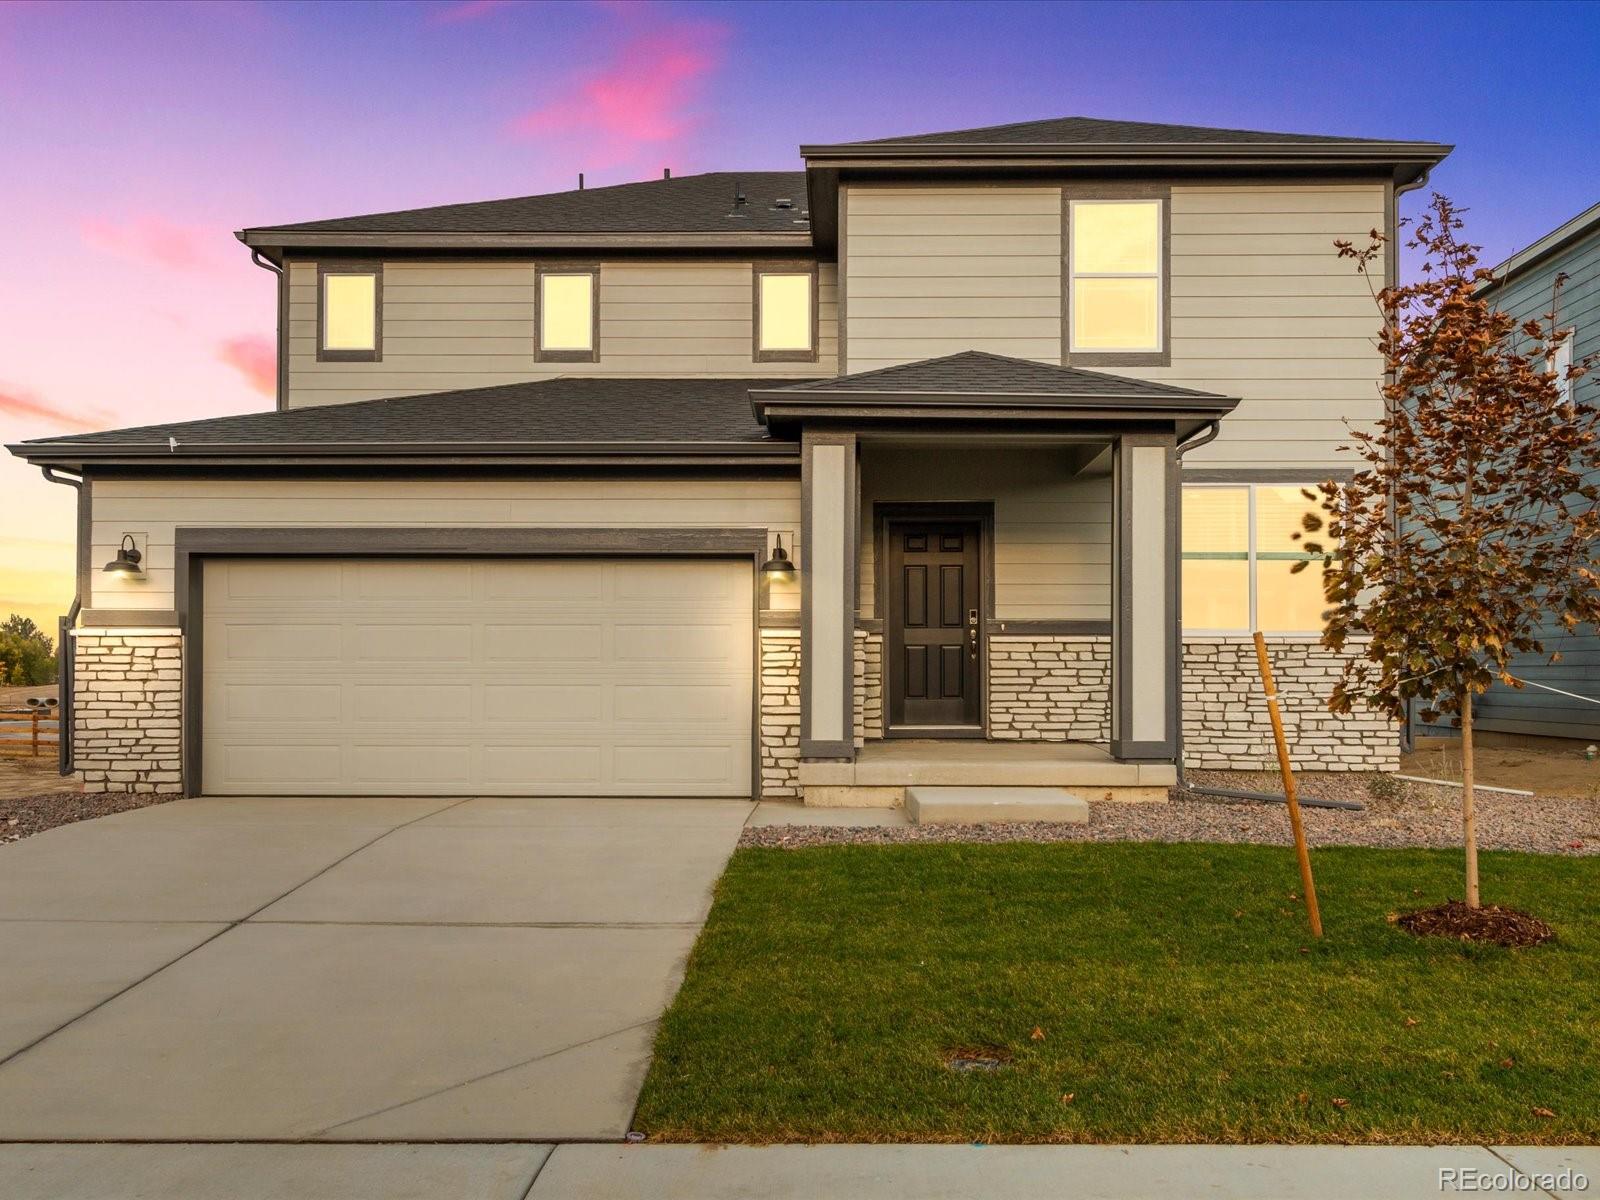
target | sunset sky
[{"x": 134, "y": 138}]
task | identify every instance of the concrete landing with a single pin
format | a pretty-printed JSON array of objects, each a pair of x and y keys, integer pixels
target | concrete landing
[{"x": 974, "y": 805}]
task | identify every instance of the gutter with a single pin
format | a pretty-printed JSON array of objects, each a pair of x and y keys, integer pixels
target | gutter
[
  {"x": 64, "y": 667},
  {"x": 1210, "y": 435}
]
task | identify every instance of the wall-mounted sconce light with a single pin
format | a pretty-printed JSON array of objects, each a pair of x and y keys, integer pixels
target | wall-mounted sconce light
[
  {"x": 126, "y": 564},
  {"x": 778, "y": 566}
]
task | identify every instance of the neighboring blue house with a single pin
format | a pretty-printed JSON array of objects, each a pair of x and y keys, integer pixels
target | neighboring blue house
[{"x": 1524, "y": 286}]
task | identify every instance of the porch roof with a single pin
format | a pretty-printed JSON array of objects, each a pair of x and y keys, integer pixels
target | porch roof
[{"x": 977, "y": 386}]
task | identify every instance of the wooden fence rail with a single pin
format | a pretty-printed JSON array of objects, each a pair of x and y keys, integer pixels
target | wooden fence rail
[{"x": 29, "y": 732}]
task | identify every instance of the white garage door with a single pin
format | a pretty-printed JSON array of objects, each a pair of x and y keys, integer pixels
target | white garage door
[{"x": 524, "y": 677}]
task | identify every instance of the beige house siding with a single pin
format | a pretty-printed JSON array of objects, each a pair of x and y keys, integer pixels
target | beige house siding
[
  {"x": 1052, "y": 532},
  {"x": 1262, "y": 306},
  {"x": 449, "y": 325},
  {"x": 151, "y": 509},
  {"x": 932, "y": 270}
]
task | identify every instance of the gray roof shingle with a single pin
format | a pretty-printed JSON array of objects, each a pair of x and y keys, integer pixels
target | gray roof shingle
[
  {"x": 684, "y": 204},
  {"x": 977, "y": 373},
  {"x": 543, "y": 411},
  {"x": 1081, "y": 131}
]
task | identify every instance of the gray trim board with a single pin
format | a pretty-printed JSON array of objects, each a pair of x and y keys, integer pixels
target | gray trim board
[
  {"x": 806, "y": 267},
  {"x": 592, "y": 354},
  {"x": 125, "y": 618},
  {"x": 349, "y": 267},
  {"x": 779, "y": 618},
  {"x": 1304, "y": 475},
  {"x": 1049, "y": 628},
  {"x": 192, "y": 545},
  {"x": 1130, "y": 190},
  {"x": 842, "y": 300},
  {"x": 1123, "y": 747}
]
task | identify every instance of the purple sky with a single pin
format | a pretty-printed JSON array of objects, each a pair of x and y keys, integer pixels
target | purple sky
[{"x": 136, "y": 137}]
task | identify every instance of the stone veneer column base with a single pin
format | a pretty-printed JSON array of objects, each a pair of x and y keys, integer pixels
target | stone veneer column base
[
  {"x": 779, "y": 735},
  {"x": 127, "y": 710}
]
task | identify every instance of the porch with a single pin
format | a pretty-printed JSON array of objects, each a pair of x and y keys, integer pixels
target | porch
[{"x": 988, "y": 579}]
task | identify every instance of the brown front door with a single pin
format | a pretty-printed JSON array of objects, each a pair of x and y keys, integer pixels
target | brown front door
[{"x": 932, "y": 626}]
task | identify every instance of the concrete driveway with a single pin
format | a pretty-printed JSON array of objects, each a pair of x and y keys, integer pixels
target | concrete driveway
[{"x": 347, "y": 970}]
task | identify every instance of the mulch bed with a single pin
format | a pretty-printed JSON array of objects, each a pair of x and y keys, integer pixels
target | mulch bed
[
  {"x": 22, "y": 816},
  {"x": 1492, "y": 923}
]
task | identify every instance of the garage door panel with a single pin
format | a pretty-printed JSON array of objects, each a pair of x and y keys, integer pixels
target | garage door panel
[
  {"x": 536, "y": 677},
  {"x": 537, "y": 704}
]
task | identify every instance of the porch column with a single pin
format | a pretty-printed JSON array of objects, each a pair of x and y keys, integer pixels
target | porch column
[
  {"x": 830, "y": 503},
  {"x": 1145, "y": 650}
]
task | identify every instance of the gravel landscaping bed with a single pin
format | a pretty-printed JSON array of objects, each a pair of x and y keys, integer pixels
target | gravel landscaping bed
[
  {"x": 22, "y": 816},
  {"x": 1396, "y": 815}
]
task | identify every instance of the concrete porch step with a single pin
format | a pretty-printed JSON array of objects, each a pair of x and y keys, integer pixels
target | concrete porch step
[{"x": 973, "y": 805}]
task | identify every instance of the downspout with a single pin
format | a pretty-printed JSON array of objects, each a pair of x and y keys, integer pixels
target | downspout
[
  {"x": 266, "y": 264},
  {"x": 64, "y": 654},
  {"x": 1213, "y": 428}
]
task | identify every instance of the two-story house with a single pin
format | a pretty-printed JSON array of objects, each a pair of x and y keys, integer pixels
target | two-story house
[{"x": 962, "y": 457}]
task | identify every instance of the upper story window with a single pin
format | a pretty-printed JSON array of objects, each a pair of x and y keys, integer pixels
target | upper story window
[
  {"x": 786, "y": 314},
  {"x": 1115, "y": 302},
  {"x": 568, "y": 318},
  {"x": 1238, "y": 555},
  {"x": 349, "y": 312}
]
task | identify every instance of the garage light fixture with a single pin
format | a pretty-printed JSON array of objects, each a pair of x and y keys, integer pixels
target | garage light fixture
[
  {"x": 778, "y": 566},
  {"x": 126, "y": 563}
]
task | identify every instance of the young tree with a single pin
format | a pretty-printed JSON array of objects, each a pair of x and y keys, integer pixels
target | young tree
[{"x": 1474, "y": 518}]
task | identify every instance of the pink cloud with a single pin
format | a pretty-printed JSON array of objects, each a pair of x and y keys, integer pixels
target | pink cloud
[
  {"x": 465, "y": 10},
  {"x": 152, "y": 239},
  {"x": 642, "y": 100},
  {"x": 254, "y": 357},
  {"x": 18, "y": 403}
]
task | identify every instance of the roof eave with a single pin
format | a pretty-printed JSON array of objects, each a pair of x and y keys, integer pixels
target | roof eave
[
  {"x": 147, "y": 454},
  {"x": 777, "y": 408},
  {"x": 289, "y": 239}
]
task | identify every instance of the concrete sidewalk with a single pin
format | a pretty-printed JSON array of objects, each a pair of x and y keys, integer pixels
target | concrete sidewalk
[{"x": 521, "y": 1171}]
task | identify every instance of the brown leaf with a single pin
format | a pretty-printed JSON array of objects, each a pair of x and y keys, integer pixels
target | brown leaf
[
  {"x": 1542, "y": 1112},
  {"x": 1339, "y": 1102},
  {"x": 1508, "y": 1063},
  {"x": 1411, "y": 1022},
  {"x": 1304, "y": 1098},
  {"x": 1037, "y": 1034},
  {"x": 1069, "y": 1097}
]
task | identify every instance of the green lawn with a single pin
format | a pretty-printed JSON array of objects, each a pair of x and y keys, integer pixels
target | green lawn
[{"x": 1179, "y": 993}]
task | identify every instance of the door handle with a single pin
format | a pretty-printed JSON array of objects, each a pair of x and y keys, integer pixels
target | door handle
[{"x": 972, "y": 633}]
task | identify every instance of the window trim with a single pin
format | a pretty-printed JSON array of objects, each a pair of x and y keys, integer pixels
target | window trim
[
  {"x": 1251, "y": 557},
  {"x": 592, "y": 354},
  {"x": 350, "y": 267},
  {"x": 757, "y": 354},
  {"x": 1161, "y": 194}
]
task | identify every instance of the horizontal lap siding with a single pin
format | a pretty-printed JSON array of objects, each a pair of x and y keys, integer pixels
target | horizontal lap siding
[
  {"x": 932, "y": 270},
  {"x": 1262, "y": 306},
  {"x": 153, "y": 509},
  {"x": 1264, "y": 309},
  {"x": 1530, "y": 709},
  {"x": 1052, "y": 533},
  {"x": 464, "y": 325}
]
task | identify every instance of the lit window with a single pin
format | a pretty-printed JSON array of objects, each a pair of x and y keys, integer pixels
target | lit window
[
  {"x": 1116, "y": 275},
  {"x": 566, "y": 314},
  {"x": 350, "y": 321},
  {"x": 1238, "y": 555},
  {"x": 784, "y": 322}
]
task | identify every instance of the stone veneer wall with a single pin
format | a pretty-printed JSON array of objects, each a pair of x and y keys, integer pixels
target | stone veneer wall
[
  {"x": 1225, "y": 721},
  {"x": 1050, "y": 689},
  {"x": 127, "y": 711},
  {"x": 780, "y": 705},
  {"x": 1056, "y": 689}
]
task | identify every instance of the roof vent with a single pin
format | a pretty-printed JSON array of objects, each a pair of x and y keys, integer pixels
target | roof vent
[
  {"x": 666, "y": 172},
  {"x": 783, "y": 202},
  {"x": 738, "y": 193}
]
